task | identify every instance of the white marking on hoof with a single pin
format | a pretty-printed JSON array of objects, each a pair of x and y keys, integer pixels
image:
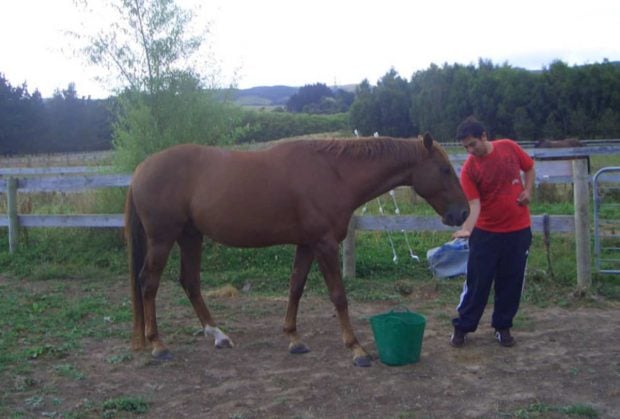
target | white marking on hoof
[{"x": 221, "y": 339}]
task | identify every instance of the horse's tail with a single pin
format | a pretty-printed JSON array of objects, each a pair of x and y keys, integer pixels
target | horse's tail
[{"x": 136, "y": 245}]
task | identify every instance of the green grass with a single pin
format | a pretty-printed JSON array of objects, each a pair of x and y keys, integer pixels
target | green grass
[
  {"x": 34, "y": 324},
  {"x": 64, "y": 253},
  {"x": 113, "y": 407},
  {"x": 43, "y": 322},
  {"x": 69, "y": 254},
  {"x": 41, "y": 319},
  {"x": 50, "y": 320},
  {"x": 543, "y": 410}
]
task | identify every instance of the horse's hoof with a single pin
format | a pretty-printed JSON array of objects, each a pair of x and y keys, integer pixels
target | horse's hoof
[
  {"x": 298, "y": 348},
  {"x": 224, "y": 343},
  {"x": 362, "y": 361},
  {"x": 164, "y": 355}
]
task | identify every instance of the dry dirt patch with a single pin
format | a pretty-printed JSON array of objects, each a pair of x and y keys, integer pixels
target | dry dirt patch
[{"x": 562, "y": 358}]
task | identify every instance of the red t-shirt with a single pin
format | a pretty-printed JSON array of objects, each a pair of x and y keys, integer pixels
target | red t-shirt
[{"x": 495, "y": 179}]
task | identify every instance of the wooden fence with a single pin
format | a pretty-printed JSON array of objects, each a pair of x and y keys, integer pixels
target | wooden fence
[{"x": 30, "y": 180}]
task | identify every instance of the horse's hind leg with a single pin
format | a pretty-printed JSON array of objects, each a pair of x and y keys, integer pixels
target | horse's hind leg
[
  {"x": 156, "y": 257},
  {"x": 327, "y": 256},
  {"x": 190, "y": 244},
  {"x": 301, "y": 266}
]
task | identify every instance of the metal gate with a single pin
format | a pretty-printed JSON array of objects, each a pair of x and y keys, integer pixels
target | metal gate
[{"x": 606, "y": 190}]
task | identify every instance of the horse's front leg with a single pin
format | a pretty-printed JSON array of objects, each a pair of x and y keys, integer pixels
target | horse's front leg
[
  {"x": 190, "y": 244},
  {"x": 301, "y": 266},
  {"x": 327, "y": 256}
]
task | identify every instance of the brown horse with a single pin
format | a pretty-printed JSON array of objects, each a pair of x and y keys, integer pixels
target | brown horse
[{"x": 299, "y": 192}]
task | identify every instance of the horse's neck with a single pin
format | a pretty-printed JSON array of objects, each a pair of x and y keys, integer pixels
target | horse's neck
[{"x": 372, "y": 178}]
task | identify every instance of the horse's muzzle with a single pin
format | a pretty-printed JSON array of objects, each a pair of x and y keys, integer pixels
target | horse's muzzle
[{"x": 455, "y": 217}]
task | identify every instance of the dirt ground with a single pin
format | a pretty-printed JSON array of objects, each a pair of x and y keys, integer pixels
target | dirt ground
[{"x": 563, "y": 358}]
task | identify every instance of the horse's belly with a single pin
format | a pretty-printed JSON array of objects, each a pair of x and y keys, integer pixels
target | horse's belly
[
  {"x": 250, "y": 233},
  {"x": 250, "y": 237},
  {"x": 258, "y": 223}
]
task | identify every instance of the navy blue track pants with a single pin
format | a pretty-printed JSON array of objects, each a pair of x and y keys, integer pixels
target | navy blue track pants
[{"x": 494, "y": 258}]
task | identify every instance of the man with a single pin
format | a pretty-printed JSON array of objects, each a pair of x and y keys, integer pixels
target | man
[{"x": 498, "y": 228}]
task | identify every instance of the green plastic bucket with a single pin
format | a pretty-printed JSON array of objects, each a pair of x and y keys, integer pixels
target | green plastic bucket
[{"x": 398, "y": 336}]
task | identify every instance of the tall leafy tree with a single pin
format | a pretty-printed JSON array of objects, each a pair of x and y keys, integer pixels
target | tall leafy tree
[
  {"x": 29, "y": 125},
  {"x": 13, "y": 115},
  {"x": 165, "y": 101},
  {"x": 557, "y": 90},
  {"x": 364, "y": 113},
  {"x": 23, "y": 120},
  {"x": 311, "y": 98},
  {"x": 557, "y": 102},
  {"x": 394, "y": 101},
  {"x": 430, "y": 90},
  {"x": 145, "y": 45}
]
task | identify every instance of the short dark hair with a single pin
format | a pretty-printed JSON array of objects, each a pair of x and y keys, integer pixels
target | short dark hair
[{"x": 470, "y": 127}]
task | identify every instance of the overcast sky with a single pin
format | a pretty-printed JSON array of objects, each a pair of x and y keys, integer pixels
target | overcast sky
[{"x": 294, "y": 43}]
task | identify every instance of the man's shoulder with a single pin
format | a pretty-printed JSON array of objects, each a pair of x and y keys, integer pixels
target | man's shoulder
[
  {"x": 507, "y": 142},
  {"x": 512, "y": 147}
]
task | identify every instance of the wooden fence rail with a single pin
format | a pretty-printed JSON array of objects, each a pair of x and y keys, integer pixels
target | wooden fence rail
[
  {"x": 540, "y": 224},
  {"x": 65, "y": 180}
]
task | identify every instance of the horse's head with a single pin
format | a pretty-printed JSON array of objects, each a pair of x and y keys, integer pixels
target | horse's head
[{"x": 435, "y": 180}]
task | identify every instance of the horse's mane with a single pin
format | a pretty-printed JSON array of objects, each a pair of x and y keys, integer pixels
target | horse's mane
[{"x": 368, "y": 148}]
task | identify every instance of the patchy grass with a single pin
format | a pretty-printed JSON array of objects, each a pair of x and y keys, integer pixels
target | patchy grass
[
  {"x": 543, "y": 410},
  {"x": 135, "y": 405}
]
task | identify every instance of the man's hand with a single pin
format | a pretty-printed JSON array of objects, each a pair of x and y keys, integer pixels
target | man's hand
[
  {"x": 461, "y": 234},
  {"x": 524, "y": 198}
]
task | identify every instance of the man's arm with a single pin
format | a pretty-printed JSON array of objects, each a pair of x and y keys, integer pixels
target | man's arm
[
  {"x": 526, "y": 196},
  {"x": 470, "y": 222}
]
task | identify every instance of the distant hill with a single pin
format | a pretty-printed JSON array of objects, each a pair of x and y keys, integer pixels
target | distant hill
[
  {"x": 270, "y": 96},
  {"x": 264, "y": 95}
]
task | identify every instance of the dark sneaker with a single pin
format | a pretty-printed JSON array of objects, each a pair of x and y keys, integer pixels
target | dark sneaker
[
  {"x": 458, "y": 338},
  {"x": 504, "y": 338}
]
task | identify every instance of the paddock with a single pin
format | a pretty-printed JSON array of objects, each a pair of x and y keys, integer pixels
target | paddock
[{"x": 565, "y": 360}]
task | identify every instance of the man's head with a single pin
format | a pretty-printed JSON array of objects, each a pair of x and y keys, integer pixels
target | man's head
[{"x": 472, "y": 134}]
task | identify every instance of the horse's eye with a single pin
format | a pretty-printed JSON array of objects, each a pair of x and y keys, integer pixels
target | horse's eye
[{"x": 446, "y": 170}]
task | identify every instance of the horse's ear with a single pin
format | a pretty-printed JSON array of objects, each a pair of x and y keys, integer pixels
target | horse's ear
[{"x": 428, "y": 141}]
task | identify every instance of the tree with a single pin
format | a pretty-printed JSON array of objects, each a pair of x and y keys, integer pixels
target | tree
[
  {"x": 394, "y": 101},
  {"x": 23, "y": 119},
  {"x": 77, "y": 124},
  {"x": 319, "y": 99},
  {"x": 145, "y": 47},
  {"x": 364, "y": 113},
  {"x": 557, "y": 88},
  {"x": 148, "y": 49},
  {"x": 309, "y": 98},
  {"x": 430, "y": 100},
  {"x": 29, "y": 125},
  {"x": 12, "y": 118}
]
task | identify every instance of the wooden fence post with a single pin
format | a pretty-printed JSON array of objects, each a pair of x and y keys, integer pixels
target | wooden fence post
[
  {"x": 582, "y": 225},
  {"x": 348, "y": 251},
  {"x": 11, "y": 194}
]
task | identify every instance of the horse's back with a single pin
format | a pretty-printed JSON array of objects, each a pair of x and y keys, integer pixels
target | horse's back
[
  {"x": 238, "y": 198},
  {"x": 170, "y": 173}
]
